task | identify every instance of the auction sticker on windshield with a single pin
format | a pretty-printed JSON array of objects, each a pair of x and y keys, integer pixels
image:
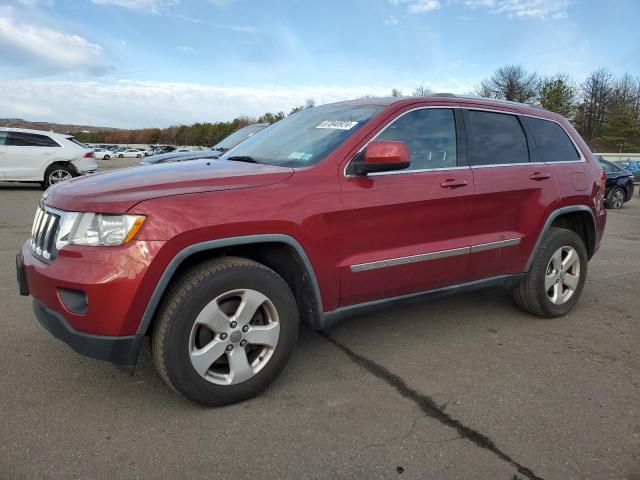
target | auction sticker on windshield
[{"x": 337, "y": 124}]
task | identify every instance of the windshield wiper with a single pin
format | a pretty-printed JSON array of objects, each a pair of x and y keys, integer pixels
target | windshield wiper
[{"x": 243, "y": 158}]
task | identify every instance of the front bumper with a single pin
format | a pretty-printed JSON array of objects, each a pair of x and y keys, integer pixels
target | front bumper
[
  {"x": 93, "y": 298},
  {"x": 119, "y": 350}
]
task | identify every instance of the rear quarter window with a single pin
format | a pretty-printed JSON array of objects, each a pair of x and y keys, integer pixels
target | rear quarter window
[
  {"x": 553, "y": 143},
  {"x": 495, "y": 139}
]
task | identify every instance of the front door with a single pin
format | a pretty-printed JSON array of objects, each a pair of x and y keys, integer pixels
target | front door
[{"x": 408, "y": 231}]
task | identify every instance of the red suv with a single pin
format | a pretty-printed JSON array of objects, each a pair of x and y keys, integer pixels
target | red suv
[{"x": 328, "y": 213}]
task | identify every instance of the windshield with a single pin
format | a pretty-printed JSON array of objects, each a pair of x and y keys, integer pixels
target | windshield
[
  {"x": 306, "y": 137},
  {"x": 239, "y": 136}
]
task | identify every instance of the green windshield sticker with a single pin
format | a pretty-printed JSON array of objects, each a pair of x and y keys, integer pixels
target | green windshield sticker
[{"x": 300, "y": 156}]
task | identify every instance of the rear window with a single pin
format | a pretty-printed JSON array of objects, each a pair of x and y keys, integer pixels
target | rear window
[
  {"x": 552, "y": 141},
  {"x": 3, "y": 137},
  {"x": 22, "y": 139},
  {"x": 495, "y": 139},
  {"x": 73, "y": 140},
  {"x": 609, "y": 167}
]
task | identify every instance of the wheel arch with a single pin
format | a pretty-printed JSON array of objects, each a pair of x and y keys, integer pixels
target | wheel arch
[
  {"x": 578, "y": 218},
  {"x": 273, "y": 250}
]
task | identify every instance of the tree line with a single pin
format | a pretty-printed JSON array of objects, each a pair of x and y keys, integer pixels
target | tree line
[{"x": 604, "y": 109}]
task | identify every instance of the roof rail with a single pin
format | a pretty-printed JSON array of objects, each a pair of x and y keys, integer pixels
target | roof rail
[{"x": 499, "y": 100}]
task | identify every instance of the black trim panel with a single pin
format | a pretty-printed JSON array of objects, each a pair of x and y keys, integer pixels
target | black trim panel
[
  {"x": 119, "y": 350},
  {"x": 331, "y": 318}
]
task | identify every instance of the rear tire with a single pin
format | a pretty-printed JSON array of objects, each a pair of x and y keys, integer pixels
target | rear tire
[
  {"x": 556, "y": 278},
  {"x": 198, "y": 350},
  {"x": 138, "y": 156},
  {"x": 56, "y": 173}
]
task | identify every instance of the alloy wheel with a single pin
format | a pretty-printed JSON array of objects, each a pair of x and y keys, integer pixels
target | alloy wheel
[
  {"x": 59, "y": 175},
  {"x": 618, "y": 199},
  {"x": 234, "y": 337},
  {"x": 562, "y": 275}
]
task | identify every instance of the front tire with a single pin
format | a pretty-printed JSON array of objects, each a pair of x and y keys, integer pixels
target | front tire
[
  {"x": 138, "y": 156},
  {"x": 106, "y": 157},
  {"x": 121, "y": 156},
  {"x": 616, "y": 199},
  {"x": 225, "y": 331},
  {"x": 556, "y": 278}
]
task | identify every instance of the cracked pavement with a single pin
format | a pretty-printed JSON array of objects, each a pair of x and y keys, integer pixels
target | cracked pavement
[{"x": 466, "y": 386}]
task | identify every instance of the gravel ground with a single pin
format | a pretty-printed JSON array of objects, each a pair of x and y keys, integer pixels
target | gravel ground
[{"x": 461, "y": 387}]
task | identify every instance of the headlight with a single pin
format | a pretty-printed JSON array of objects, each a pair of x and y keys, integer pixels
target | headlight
[{"x": 99, "y": 229}]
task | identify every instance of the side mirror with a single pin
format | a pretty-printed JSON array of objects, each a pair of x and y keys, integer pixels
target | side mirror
[{"x": 383, "y": 156}]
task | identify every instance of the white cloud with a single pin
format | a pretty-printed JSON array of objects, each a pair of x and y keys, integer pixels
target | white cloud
[
  {"x": 511, "y": 8},
  {"x": 418, "y": 6},
  {"x": 185, "y": 49},
  {"x": 129, "y": 104},
  {"x": 153, "y": 6},
  {"x": 43, "y": 50},
  {"x": 524, "y": 8},
  {"x": 391, "y": 20}
]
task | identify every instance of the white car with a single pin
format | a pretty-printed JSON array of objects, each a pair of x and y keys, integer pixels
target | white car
[
  {"x": 131, "y": 153},
  {"x": 43, "y": 157},
  {"x": 103, "y": 153}
]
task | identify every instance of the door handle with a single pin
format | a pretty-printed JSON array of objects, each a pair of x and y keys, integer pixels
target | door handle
[
  {"x": 453, "y": 183},
  {"x": 540, "y": 176}
]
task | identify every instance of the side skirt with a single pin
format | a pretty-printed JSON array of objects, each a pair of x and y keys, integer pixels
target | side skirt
[{"x": 328, "y": 319}]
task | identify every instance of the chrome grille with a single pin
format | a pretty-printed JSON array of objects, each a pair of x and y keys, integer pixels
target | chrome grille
[{"x": 44, "y": 233}]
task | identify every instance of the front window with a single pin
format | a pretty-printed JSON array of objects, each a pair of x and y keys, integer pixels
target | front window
[
  {"x": 306, "y": 137},
  {"x": 430, "y": 135}
]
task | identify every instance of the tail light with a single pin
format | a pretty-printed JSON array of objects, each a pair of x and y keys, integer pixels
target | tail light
[
  {"x": 603, "y": 180},
  {"x": 89, "y": 155}
]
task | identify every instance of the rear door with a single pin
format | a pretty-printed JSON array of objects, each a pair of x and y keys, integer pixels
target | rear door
[
  {"x": 562, "y": 157},
  {"x": 513, "y": 192},
  {"x": 27, "y": 155},
  {"x": 408, "y": 231}
]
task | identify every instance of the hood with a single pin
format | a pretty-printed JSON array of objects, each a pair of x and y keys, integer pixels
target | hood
[{"x": 119, "y": 190}]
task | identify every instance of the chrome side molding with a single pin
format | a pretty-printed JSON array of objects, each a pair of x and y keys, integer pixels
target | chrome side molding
[{"x": 423, "y": 257}]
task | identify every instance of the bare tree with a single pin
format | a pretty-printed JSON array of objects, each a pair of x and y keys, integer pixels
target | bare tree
[
  {"x": 596, "y": 92},
  {"x": 310, "y": 103},
  {"x": 511, "y": 82},
  {"x": 558, "y": 94},
  {"x": 422, "y": 91},
  {"x": 396, "y": 93}
]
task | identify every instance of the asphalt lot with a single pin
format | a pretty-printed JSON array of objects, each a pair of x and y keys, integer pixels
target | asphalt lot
[{"x": 462, "y": 387}]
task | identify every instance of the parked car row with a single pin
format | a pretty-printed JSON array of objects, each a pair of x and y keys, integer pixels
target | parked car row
[
  {"x": 631, "y": 165},
  {"x": 619, "y": 184},
  {"x": 181, "y": 155}
]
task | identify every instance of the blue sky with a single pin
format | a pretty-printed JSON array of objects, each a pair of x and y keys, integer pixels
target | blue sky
[{"x": 133, "y": 63}]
